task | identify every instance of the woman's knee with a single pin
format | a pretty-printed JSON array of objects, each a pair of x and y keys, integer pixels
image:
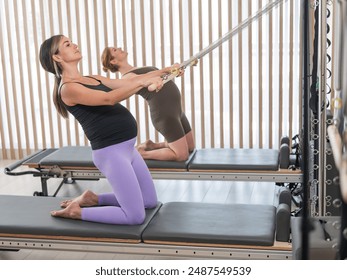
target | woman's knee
[
  {"x": 136, "y": 217},
  {"x": 151, "y": 204},
  {"x": 182, "y": 155}
]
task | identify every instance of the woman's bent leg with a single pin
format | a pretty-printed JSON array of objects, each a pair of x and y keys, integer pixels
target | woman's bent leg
[
  {"x": 145, "y": 181},
  {"x": 115, "y": 162}
]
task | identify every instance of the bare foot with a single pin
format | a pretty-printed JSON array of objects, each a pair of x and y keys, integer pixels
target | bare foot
[
  {"x": 86, "y": 199},
  {"x": 149, "y": 145},
  {"x": 72, "y": 211}
]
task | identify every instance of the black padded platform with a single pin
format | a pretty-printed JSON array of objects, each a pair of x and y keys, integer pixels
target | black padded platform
[
  {"x": 31, "y": 216},
  {"x": 36, "y": 158},
  {"x": 81, "y": 157},
  {"x": 185, "y": 222},
  {"x": 186, "y": 229},
  {"x": 235, "y": 159},
  {"x": 208, "y": 223},
  {"x": 71, "y": 156},
  {"x": 203, "y": 159}
]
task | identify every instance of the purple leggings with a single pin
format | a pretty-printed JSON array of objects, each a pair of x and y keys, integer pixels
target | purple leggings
[{"x": 132, "y": 184}]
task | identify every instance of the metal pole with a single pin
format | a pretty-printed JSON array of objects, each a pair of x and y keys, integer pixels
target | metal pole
[
  {"x": 306, "y": 129},
  {"x": 322, "y": 109}
]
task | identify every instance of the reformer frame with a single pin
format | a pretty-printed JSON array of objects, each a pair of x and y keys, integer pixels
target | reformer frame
[
  {"x": 167, "y": 231},
  {"x": 280, "y": 251},
  {"x": 194, "y": 168}
]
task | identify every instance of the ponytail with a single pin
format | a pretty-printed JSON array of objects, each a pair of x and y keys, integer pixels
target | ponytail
[
  {"x": 49, "y": 48},
  {"x": 58, "y": 102}
]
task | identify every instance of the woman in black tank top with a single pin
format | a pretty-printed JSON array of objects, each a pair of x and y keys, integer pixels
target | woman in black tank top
[
  {"x": 111, "y": 129},
  {"x": 165, "y": 108}
]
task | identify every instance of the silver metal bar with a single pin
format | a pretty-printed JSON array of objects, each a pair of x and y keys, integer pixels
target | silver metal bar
[
  {"x": 193, "y": 60},
  {"x": 338, "y": 50},
  {"x": 322, "y": 117},
  {"x": 257, "y": 176},
  {"x": 341, "y": 58},
  {"x": 344, "y": 61},
  {"x": 277, "y": 177}
]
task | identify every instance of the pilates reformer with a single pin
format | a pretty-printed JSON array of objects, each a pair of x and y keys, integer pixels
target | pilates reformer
[
  {"x": 172, "y": 229},
  {"x": 75, "y": 163},
  {"x": 180, "y": 229}
]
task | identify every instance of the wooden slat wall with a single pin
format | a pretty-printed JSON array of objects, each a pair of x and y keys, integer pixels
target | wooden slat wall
[{"x": 244, "y": 94}]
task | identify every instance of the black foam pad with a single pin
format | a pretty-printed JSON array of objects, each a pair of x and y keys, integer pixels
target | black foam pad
[
  {"x": 36, "y": 158},
  {"x": 72, "y": 156},
  {"x": 235, "y": 159},
  {"x": 209, "y": 223},
  {"x": 31, "y": 215},
  {"x": 204, "y": 159},
  {"x": 81, "y": 156}
]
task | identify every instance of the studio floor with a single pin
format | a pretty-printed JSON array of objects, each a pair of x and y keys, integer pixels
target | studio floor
[{"x": 228, "y": 192}]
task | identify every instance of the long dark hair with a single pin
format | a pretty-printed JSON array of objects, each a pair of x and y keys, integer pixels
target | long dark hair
[{"x": 49, "y": 48}]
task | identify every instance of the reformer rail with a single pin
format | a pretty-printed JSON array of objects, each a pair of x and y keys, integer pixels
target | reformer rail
[{"x": 75, "y": 163}]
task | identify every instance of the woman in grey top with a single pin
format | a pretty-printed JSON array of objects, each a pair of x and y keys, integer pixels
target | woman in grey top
[{"x": 165, "y": 108}]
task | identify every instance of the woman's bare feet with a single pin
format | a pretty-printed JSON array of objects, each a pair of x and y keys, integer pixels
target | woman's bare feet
[
  {"x": 150, "y": 145},
  {"x": 86, "y": 199},
  {"x": 72, "y": 211}
]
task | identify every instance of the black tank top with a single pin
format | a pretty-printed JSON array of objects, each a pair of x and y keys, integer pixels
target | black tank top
[{"x": 104, "y": 125}]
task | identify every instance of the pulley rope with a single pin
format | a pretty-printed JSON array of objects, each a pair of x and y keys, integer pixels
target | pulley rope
[{"x": 194, "y": 59}]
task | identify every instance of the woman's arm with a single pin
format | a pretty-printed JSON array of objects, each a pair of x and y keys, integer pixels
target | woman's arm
[
  {"x": 116, "y": 83},
  {"x": 161, "y": 72},
  {"x": 74, "y": 93}
]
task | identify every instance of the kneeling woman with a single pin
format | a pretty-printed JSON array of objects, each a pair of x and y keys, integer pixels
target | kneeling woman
[
  {"x": 165, "y": 108},
  {"x": 111, "y": 130}
]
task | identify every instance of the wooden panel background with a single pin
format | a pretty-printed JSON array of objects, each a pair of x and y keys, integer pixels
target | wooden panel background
[{"x": 244, "y": 94}]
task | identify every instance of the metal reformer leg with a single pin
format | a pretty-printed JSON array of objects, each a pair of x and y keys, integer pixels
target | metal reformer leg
[{"x": 44, "y": 187}]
